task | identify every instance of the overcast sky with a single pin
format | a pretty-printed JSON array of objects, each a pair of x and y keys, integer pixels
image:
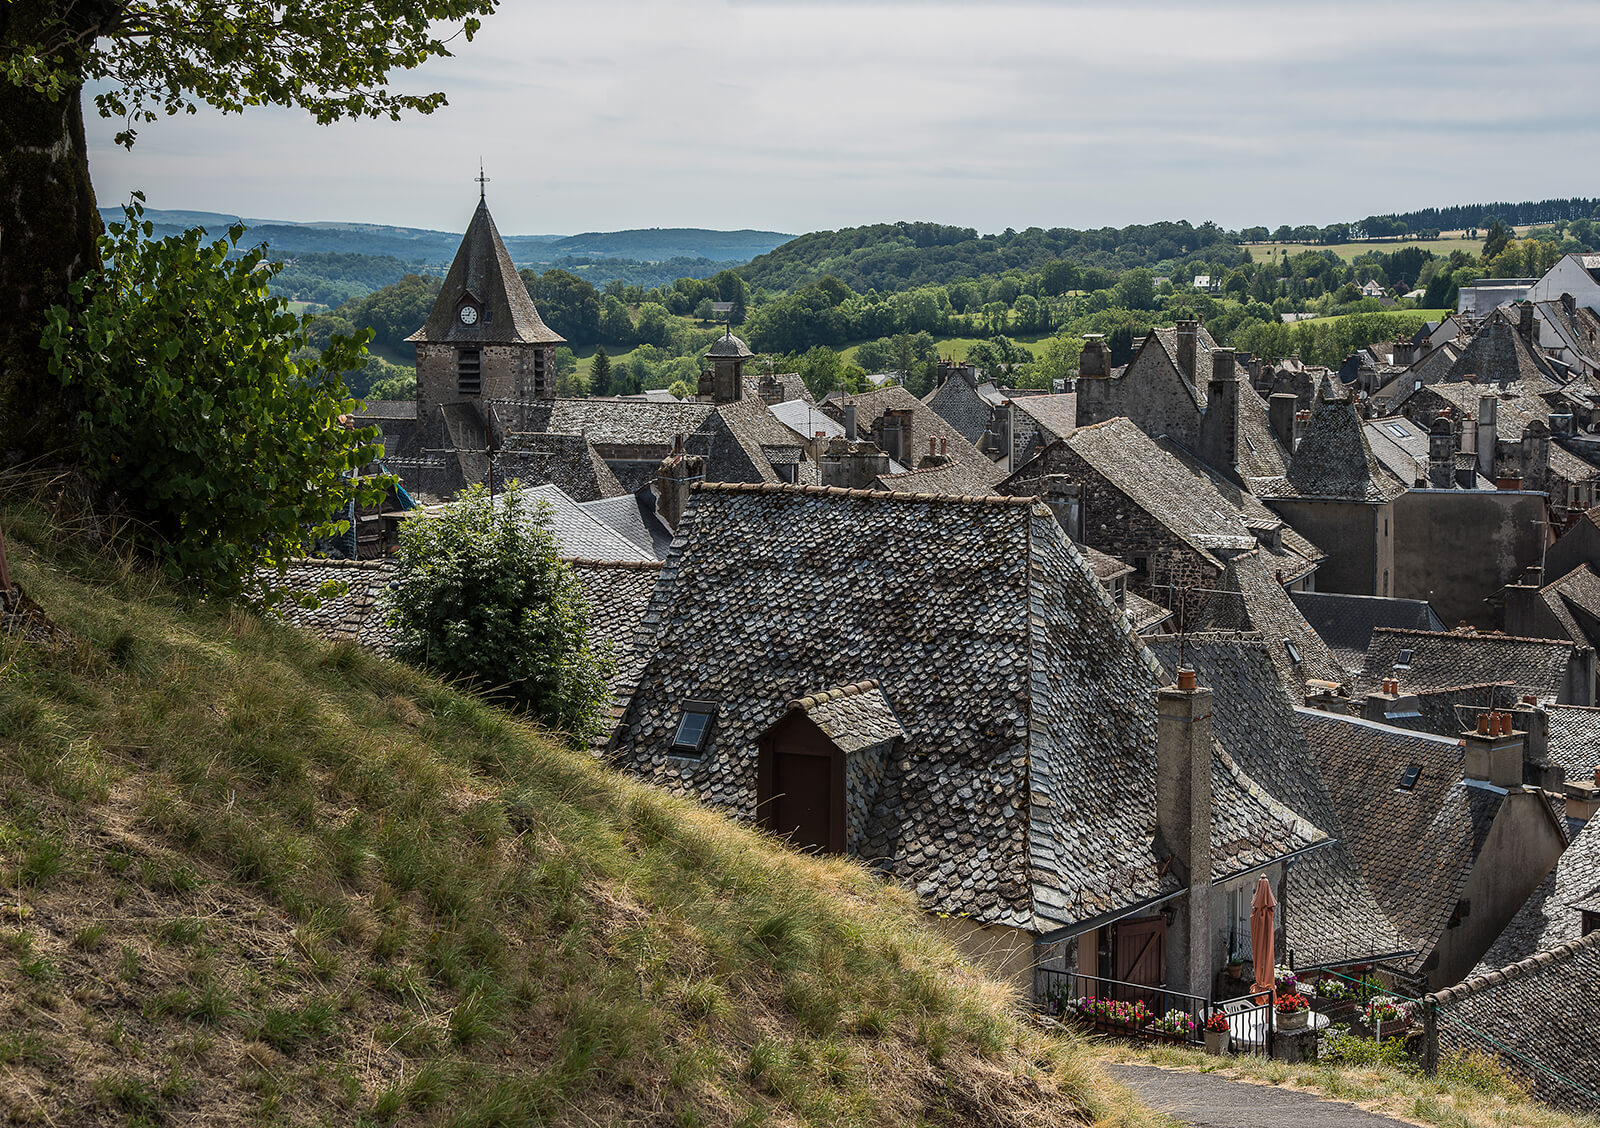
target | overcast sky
[{"x": 797, "y": 116}]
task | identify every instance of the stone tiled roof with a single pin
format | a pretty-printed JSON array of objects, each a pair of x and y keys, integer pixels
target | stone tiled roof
[
  {"x": 618, "y": 593},
  {"x": 482, "y": 269},
  {"x": 1467, "y": 657},
  {"x": 1553, "y": 914},
  {"x": 1448, "y": 710},
  {"x": 1414, "y": 847},
  {"x": 806, "y": 419},
  {"x": 959, "y": 404},
  {"x": 579, "y": 534},
  {"x": 356, "y": 615},
  {"x": 853, "y": 716},
  {"x": 729, "y": 347},
  {"x": 1205, "y": 511},
  {"x": 1056, "y": 416},
  {"x": 1144, "y": 615},
  {"x": 1024, "y": 790},
  {"x": 925, "y": 423},
  {"x": 633, "y": 516},
  {"x": 1106, "y": 567},
  {"x": 955, "y": 478},
  {"x": 569, "y": 462},
  {"x": 1574, "y": 600},
  {"x": 1254, "y": 600},
  {"x": 1540, "y": 1017},
  {"x": 1333, "y": 915},
  {"x": 1498, "y": 354},
  {"x": 1346, "y": 622},
  {"x": 623, "y": 422},
  {"x": 1575, "y": 739},
  {"x": 1259, "y": 454},
  {"x": 1333, "y": 460},
  {"x": 379, "y": 411}
]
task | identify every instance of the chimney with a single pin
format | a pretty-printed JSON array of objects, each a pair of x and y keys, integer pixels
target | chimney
[
  {"x": 1188, "y": 342},
  {"x": 1404, "y": 353},
  {"x": 1525, "y": 327},
  {"x": 1095, "y": 359},
  {"x": 1183, "y": 817},
  {"x": 1466, "y": 474},
  {"x": 898, "y": 440},
  {"x": 852, "y": 466},
  {"x": 1219, "y": 427},
  {"x": 1570, "y": 304},
  {"x": 850, "y": 422},
  {"x": 1280, "y": 409},
  {"x": 1494, "y": 751},
  {"x": 771, "y": 389},
  {"x": 1535, "y": 722},
  {"x": 1378, "y": 706},
  {"x": 674, "y": 478},
  {"x": 1469, "y": 435}
]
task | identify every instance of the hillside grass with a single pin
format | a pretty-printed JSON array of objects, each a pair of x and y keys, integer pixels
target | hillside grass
[
  {"x": 250, "y": 878},
  {"x": 1470, "y": 1091},
  {"x": 1349, "y": 252},
  {"x": 1422, "y": 315}
]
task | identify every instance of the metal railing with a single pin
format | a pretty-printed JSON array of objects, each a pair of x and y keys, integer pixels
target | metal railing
[{"x": 1151, "y": 1013}]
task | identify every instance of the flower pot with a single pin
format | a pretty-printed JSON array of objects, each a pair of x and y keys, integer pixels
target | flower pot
[
  {"x": 1217, "y": 1041},
  {"x": 1295, "y": 1020}
]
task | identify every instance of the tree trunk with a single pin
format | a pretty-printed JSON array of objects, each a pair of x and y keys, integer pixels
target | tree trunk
[{"x": 48, "y": 226}]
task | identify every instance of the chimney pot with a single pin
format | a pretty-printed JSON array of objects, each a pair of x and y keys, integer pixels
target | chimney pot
[
  {"x": 850, "y": 422},
  {"x": 1529, "y": 699},
  {"x": 1483, "y": 724},
  {"x": 943, "y": 444},
  {"x": 1186, "y": 680},
  {"x": 933, "y": 445}
]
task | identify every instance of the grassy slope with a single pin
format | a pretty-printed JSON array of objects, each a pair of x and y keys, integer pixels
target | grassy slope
[{"x": 248, "y": 877}]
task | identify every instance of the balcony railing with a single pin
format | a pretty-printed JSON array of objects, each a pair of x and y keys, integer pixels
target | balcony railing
[{"x": 1138, "y": 1010}]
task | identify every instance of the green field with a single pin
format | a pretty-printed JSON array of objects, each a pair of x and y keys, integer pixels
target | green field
[
  {"x": 1350, "y": 251},
  {"x": 1425, "y": 314},
  {"x": 956, "y": 348}
]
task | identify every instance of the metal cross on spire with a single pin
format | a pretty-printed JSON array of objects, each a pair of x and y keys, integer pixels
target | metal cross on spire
[{"x": 482, "y": 180}]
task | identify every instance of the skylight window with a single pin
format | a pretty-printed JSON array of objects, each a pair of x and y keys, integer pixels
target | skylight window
[
  {"x": 1402, "y": 660},
  {"x": 1294, "y": 651},
  {"x": 694, "y": 728},
  {"x": 1408, "y": 778},
  {"x": 1398, "y": 430}
]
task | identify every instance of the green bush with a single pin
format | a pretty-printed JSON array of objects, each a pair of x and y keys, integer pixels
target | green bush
[
  {"x": 228, "y": 454},
  {"x": 481, "y": 595}
]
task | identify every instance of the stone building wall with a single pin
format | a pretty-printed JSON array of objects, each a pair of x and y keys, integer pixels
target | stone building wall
[{"x": 504, "y": 372}]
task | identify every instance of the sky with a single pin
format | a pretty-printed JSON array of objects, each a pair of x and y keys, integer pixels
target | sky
[{"x": 794, "y": 116}]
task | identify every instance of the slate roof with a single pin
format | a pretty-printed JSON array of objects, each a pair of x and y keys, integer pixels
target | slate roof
[
  {"x": 1574, "y": 739},
  {"x": 1553, "y": 914},
  {"x": 1417, "y": 847},
  {"x": 1055, "y": 416},
  {"x": 356, "y": 615},
  {"x": 729, "y": 347},
  {"x": 853, "y": 716},
  {"x": 1498, "y": 353},
  {"x": 569, "y": 462},
  {"x": 1546, "y": 1008},
  {"x": 1106, "y": 567},
  {"x": 1024, "y": 791},
  {"x": 1346, "y": 622},
  {"x": 1333, "y": 460},
  {"x": 1251, "y": 598},
  {"x": 1574, "y": 601},
  {"x": 1144, "y": 615},
  {"x": 618, "y": 593},
  {"x": 1330, "y": 914},
  {"x": 955, "y": 478},
  {"x": 378, "y": 411},
  {"x": 1465, "y": 657},
  {"x": 1447, "y": 710},
  {"x": 806, "y": 419},
  {"x": 578, "y": 533},
  {"x": 633, "y": 516},
  {"x": 607, "y": 420},
  {"x": 1206, "y": 511},
  {"x": 925, "y": 422},
  {"x": 961, "y": 405},
  {"x": 482, "y": 268},
  {"x": 1257, "y": 450}
]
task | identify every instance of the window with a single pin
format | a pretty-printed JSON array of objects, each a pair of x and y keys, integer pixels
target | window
[
  {"x": 1408, "y": 778},
  {"x": 1294, "y": 651},
  {"x": 469, "y": 372},
  {"x": 1402, "y": 661},
  {"x": 1398, "y": 430},
  {"x": 1591, "y": 921},
  {"x": 694, "y": 728},
  {"x": 1141, "y": 565}
]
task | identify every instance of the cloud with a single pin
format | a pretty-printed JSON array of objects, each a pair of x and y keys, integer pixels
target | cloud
[{"x": 795, "y": 116}]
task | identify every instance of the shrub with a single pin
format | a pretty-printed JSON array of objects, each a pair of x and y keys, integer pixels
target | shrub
[
  {"x": 228, "y": 453},
  {"x": 480, "y": 594}
]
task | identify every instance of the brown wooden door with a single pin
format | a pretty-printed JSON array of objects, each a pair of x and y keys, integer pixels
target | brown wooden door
[
  {"x": 1140, "y": 955},
  {"x": 802, "y": 801}
]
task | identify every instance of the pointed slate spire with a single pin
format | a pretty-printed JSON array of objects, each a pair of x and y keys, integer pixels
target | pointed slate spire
[{"x": 482, "y": 276}]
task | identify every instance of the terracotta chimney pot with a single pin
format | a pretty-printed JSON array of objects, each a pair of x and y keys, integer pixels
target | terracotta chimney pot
[
  {"x": 1185, "y": 679},
  {"x": 1483, "y": 724}
]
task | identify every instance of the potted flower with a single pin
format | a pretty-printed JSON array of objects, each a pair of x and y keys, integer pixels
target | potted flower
[
  {"x": 1217, "y": 1033},
  {"x": 1235, "y": 967},
  {"x": 1293, "y": 1011},
  {"x": 1174, "y": 1026},
  {"x": 1285, "y": 981},
  {"x": 1386, "y": 1016}
]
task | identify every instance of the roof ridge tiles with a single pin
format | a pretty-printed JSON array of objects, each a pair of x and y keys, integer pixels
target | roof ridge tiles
[
  {"x": 337, "y": 562},
  {"x": 1501, "y": 976},
  {"x": 822, "y": 697},
  {"x": 627, "y": 565},
  {"x": 998, "y": 500},
  {"x": 1473, "y": 632}
]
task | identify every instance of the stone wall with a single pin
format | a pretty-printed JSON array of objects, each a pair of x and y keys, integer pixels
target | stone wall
[
  {"x": 863, "y": 772},
  {"x": 1358, "y": 537},
  {"x": 1150, "y": 392},
  {"x": 1455, "y": 548},
  {"x": 505, "y": 372}
]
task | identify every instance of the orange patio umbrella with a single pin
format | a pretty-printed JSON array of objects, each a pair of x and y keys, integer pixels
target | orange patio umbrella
[{"x": 1261, "y": 909}]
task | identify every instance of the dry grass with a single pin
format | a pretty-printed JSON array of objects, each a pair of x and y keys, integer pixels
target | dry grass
[
  {"x": 247, "y": 877},
  {"x": 1471, "y": 1091}
]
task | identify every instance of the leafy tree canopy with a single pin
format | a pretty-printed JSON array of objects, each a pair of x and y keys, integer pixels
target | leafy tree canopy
[
  {"x": 228, "y": 453},
  {"x": 481, "y": 594},
  {"x": 166, "y": 56}
]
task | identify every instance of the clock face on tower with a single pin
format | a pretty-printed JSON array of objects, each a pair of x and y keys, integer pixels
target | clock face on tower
[{"x": 469, "y": 315}]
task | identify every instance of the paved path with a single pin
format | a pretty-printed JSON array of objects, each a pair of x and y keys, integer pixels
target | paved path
[{"x": 1209, "y": 1101}]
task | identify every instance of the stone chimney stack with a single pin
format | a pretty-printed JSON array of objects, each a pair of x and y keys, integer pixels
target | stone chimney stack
[
  {"x": 1219, "y": 427},
  {"x": 1280, "y": 411},
  {"x": 1095, "y": 359},
  {"x": 674, "y": 479},
  {"x": 1525, "y": 326},
  {"x": 1441, "y": 454},
  {"x": 1188, "y": 344},
  {"x": 1488, "y": 413},
  {"x": 851, "y": 466},
  {"x": 850, "y": 422},
  {"x": 895, "y": 435},
  {"x": 1377, "y": 706},
  {"x": 1494, "y": 751},
  {"x": 1405, "y": 353},
  {"x": 1183, "y": 817}
]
